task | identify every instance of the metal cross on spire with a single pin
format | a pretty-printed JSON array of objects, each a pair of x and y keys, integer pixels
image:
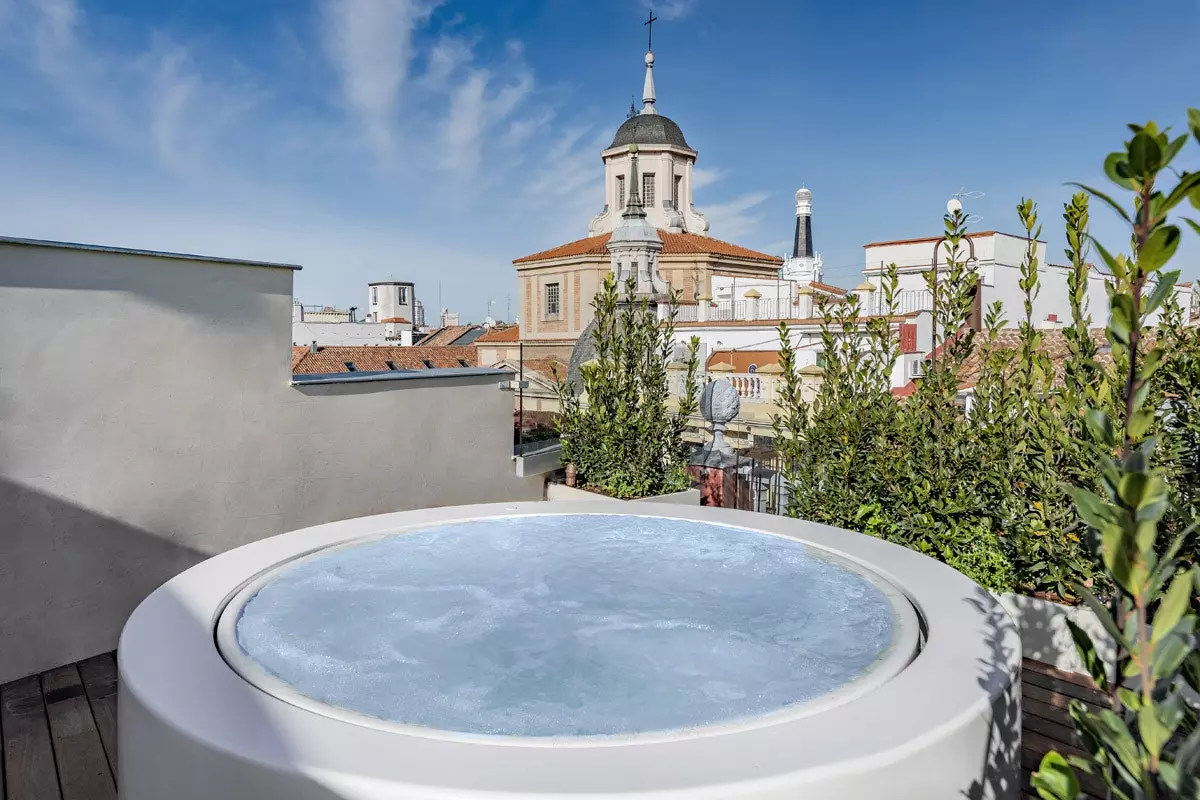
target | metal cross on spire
[{"x": 650, "y": 30}]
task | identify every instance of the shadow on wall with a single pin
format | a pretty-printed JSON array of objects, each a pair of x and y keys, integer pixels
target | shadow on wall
[
  {"x": 1000, "y": 774},
  {"x": 109, "y": 565}
]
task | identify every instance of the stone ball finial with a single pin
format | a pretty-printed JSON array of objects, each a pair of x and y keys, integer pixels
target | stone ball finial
[{"x": 719, "y": 402}]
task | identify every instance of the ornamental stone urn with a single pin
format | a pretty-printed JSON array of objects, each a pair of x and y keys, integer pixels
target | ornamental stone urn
[{"x": 719, "y": 405}]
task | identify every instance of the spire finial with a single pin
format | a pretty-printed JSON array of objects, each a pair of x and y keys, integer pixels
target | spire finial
[
  {"x": 633, "y": 206},
  {"x": 648, "y": 86}
]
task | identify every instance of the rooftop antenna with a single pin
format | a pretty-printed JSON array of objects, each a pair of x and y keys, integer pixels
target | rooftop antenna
[
  {"x": 632, "y": 109},
  {"x": 963, "y": 194}
]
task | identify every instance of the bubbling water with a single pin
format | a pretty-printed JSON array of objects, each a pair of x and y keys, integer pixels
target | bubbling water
[{"x": 568, "y": 625}]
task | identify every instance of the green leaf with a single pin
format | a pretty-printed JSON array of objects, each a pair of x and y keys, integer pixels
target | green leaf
[
  {"x": 1162, "y": 290},
  {"x": 1173, "y": 606},
  {"x": 1092, "y": 509},
  {"x": 1088, "y": 655},
  {"x": 1191, "y": 222},
  {"x": 1160, "y": 245},
  {"x": 1054, "y": 779},
  {"x": 1190, "y": 670},
  {"x": 1102, "y": 614},
  {"x": 1100, "y": 426},
  {"x": 1154, "y": 733},
  {"x": 1185, "y": 188},
  {"x": 1145, "y": 156},
  {"x": 1112, "y": 203},
  {"x": 1116, "y": 167},
  {"x": 1194, "y": 122},
  {"x": 1171, "y": 652},
  {"x": 1174, "y": 147}
]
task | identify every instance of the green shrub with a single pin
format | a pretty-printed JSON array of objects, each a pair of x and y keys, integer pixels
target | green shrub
[
  {"x": 982, "y": 490},
  {"x": 616, "y": 427}
]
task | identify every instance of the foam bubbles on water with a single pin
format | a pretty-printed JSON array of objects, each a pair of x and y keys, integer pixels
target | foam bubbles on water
[{"x": 567, "y": 625}]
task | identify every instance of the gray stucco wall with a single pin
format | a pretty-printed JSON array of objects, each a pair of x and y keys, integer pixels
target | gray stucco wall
[{"x": 147, "y": 422}]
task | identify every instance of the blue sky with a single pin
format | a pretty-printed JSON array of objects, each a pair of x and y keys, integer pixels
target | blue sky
[{"x": 368, "y": 139}]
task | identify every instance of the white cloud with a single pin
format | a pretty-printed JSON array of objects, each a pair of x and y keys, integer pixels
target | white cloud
[
  {"x": 702, "y": 177},
  {"x": 735, "y": 219},
  {"x": 670, "y": 9},
  {"x": 371, "y": 44},
  {"x": 149, "y": 140}
]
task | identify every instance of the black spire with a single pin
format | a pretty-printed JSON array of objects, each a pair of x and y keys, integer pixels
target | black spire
[
  {"x": 803, "y": 247},
  {"x": 633, "y": 207}
]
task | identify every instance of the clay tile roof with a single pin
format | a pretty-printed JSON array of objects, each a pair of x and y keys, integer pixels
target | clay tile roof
[
  {"x": 828, "y": 288},
  {"x": 1054, "y": 345},
  {"x": 297, "y": 356},
  {"x": 374, "y": 358},
  {"x": 546, "y": 367},
  {"x": 742, "y": 359},
  {"x": 509, "y": 333},
  {"x": 673, "y": 244},
  {"x": 394, "y": 319},
  {"x": 591, "y": 246}
]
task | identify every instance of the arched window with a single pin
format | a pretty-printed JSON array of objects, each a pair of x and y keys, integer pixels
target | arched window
[{"x": 753, "y": 369}]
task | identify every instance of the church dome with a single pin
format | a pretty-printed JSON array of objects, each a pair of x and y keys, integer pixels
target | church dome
[{"x": 649, "y": 129}]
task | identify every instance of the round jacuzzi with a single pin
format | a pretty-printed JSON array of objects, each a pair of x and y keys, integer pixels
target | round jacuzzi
[{"x": 568, "y": 649}]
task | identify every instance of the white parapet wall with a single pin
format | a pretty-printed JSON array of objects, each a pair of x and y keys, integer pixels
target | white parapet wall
[{"x": 1044, "y": 633}]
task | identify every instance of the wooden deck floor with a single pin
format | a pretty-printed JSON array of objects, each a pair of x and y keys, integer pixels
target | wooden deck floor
[{"x": 59, "y": 728}]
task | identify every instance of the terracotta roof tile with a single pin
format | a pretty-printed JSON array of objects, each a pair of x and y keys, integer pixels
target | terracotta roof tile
[
  {"x": 374, "y": 358},
  {"x": 828, "y": 288},
  {"x": 673, "y": 244},
  {"x": 546, "y": 367},
  {"x": 742, "y": 359},
  {"x": 394, "y": 319},
  {"x": 298, "y": 356},
  {"x": 509, "y": 333},
  {"x": 1054, "y": 345}
]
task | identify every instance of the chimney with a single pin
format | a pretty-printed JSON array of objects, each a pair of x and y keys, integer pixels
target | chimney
[{"x": 312, "y": 348}]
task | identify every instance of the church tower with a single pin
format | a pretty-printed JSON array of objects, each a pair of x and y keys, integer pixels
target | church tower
[{"x": 665, "y": 186}]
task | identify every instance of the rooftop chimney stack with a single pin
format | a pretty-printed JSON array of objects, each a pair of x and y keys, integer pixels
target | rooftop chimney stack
[{"x": 312, "y": 348}]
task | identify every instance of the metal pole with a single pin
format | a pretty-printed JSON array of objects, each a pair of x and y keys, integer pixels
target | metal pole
[{"x": 520, "y": 394}]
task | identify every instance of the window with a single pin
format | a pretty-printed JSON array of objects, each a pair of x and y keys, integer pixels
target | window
[
  {"x": 374, "y": 295},
  {"x": 402, "y": 294},
  {"x": 390, "y": 364},
  {"x": 428, "y": 364},
  {"x": 753, "y": 368},
  {"x": 620, "y": 191},
  {"x": 350, "y": 366},
  {"x": 465, "y": 364},
  {"x": 648, "y": 189},
  {"x": 552, "y": 297},
  {"x": 675, "y": 192}
]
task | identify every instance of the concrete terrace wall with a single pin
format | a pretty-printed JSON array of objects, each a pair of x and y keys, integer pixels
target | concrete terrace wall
[{"x": 147, "y": 422}]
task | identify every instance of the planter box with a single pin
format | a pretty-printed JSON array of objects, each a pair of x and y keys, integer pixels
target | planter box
[
  {"x": 539, "y": 462},
  {"x": 1044, "y": 633},
  {"x": 558, "y": 491},
  {"x": 688, "y": 497}
]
